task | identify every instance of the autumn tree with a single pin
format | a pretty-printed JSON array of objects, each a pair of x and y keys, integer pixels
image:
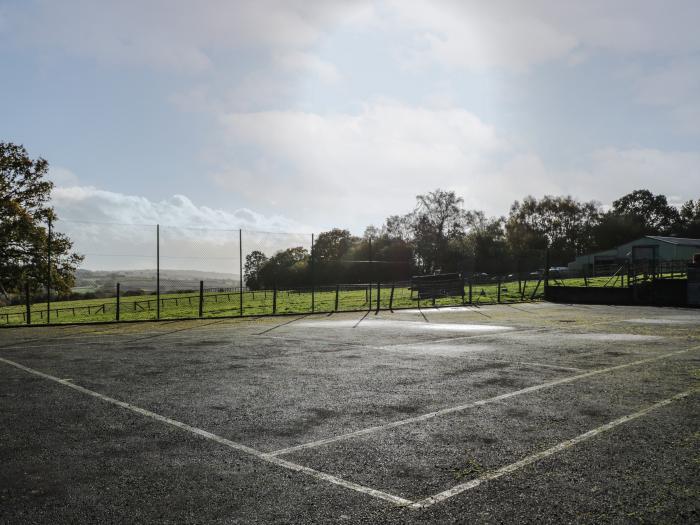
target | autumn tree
[{"x": 24, "y": 238}]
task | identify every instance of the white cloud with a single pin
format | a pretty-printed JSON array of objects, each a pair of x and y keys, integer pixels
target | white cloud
[
  {"x": 516, "y": 35},
  {"x": 619, "y": 171},
  {"x": 675, "y": 86},
  {"x": 355, "y": 169},
  {"x": 345, "y": 168},
  {"x": 117, "y": 231},
  {"x": 481, "y": 34},
  {"x": 86, "y": 203},
  {"x": 307, "y": 63},
  {"x": 179, "y": 34}
]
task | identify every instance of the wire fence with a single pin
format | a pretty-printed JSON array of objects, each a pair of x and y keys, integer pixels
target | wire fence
[
  {"x": 150, "y": 272},
  {"x": 621, "y": 274}
]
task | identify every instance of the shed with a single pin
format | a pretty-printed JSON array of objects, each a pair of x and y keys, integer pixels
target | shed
[{"x": 647, "y": 248}]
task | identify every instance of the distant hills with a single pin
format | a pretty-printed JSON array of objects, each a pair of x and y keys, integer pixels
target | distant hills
[{"x": 87, "y": 281}]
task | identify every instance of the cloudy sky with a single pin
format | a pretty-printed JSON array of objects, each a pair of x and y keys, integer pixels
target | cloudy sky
[{"x": 303, "y": 115}]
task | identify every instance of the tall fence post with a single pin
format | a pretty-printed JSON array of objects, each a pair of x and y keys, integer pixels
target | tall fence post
[
  {"x": 274, "y": 297},
  {"x": 117, "y": 311},
  {"x": 337, "y": 294},
  {"x": 379, "y": 295},
  {"x": 470, "y": 291},
  {"x": 157, "y": 271},
  {"x": 371, "y": 266},
  {"x": 240, "y": 270},
  {"x": 48, "y": 275},
  {"x": 313, "y": 281},
  {"x": 201, "y": 298},
  {"x": 29, "y": 303},
  {"x": 391, "y": 297},
  {"x": 499, "y": 290}
]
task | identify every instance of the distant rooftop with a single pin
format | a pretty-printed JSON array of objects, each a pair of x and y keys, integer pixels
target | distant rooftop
[{"x": 680, "y": 241}]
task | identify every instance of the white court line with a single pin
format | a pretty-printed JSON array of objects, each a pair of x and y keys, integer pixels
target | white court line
[
  {"x": 349, "y": 484},
  {"x": 528, "y": 460},
  {"x": 472, "y": 404},
  {"x": 218, "y": 439}
]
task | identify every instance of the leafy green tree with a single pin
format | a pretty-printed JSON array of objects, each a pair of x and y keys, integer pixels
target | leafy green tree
[
  {"x": 332, "y": 245},
  {"x": 437, "y": 217},
  {"x": 653, "y": 212},
  {"x": 286, "y": 268},
  {"x": 689, "y": 219},
  {"x": 560, "y": 223},
  {"x": 24, "y": 211},
  {"x": 254, "y": 262}
]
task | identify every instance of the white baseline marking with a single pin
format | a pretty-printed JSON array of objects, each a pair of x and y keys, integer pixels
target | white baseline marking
[
  {"x": 472, "y": 404},
  {"x": 218, "y": 439},
  {"x": 528, "y": 460}
]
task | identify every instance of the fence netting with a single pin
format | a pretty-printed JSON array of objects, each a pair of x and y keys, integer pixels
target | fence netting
[{"x": 145, "y": 272}]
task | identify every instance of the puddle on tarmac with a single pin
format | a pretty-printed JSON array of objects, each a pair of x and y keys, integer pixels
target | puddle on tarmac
[
  {"x": 416, "y": 326},
  {"x": 614, "y": 337}
]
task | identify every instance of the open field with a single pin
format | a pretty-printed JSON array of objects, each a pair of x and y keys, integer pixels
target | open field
[
  {"x": 529, "y": 412},
  {"x": 218, "y": 304}
]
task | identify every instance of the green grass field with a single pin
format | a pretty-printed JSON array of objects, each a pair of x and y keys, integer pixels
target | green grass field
[{"x": 222, "y": 304}]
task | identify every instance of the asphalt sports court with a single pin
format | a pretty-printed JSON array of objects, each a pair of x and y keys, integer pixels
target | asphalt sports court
[{"x": 510, "y": 413}]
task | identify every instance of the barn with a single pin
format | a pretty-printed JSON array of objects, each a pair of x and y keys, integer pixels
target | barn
[{"x": 647, "y": 248}]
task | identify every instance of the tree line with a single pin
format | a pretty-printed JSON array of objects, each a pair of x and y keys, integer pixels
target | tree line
[{"x": 439, "y": 235}]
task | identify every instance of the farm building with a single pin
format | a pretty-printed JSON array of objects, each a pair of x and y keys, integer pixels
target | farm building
[{"x": 650, "y": 247}]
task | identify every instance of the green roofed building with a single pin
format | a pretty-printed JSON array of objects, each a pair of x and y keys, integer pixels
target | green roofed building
[{"x": 648, "y": 248}]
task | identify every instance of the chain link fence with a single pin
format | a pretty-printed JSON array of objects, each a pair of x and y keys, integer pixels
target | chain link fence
[{"x": 149, "y": 272}]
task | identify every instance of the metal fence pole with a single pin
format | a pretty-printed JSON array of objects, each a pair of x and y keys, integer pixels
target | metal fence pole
[
  {"x": 391, "y": 297},
  {"x": 499, "y": 290},
  {"x": 117, "y": 312},
  {"x": 337, "y": 293},
  {"x": 201, "y": 298},
  {"x": 48, "y": 276},
  {"x": 274, "y": 297},
  {"x": 470, "y": 291},
  {"x": 371, "y": 266},
  {"x": 29, "y": 304},
  {"x": 379, "y": 295},
  {"x": 157, "y": 271},
  {"x": 313, "y": 281},
  {"x": 240, "y": 269}
]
